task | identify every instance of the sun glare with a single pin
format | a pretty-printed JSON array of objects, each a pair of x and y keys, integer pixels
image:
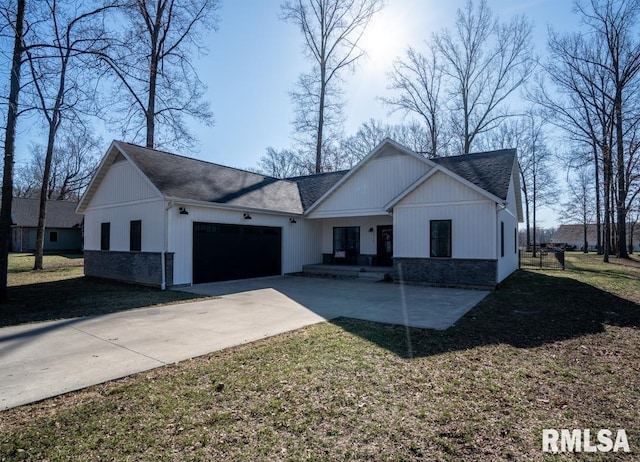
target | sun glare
[{"x": 384, "y": 39}]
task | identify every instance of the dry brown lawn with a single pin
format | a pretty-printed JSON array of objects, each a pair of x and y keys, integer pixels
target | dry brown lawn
[{"x": 554, "y": 349}]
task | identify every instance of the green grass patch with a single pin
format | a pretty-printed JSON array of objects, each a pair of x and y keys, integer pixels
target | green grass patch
[
  {"x": 61, "y": 291},
  {"x": 556, "y": 349}
]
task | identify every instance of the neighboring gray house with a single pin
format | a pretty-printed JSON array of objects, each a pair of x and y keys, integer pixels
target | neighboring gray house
[
  {"x": 574, "y": 235},
  {"x": 63, "y": 231},
  {"x": 161, "y": 219}
]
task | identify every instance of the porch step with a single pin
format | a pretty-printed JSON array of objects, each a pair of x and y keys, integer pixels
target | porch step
[{"x": 370, "y": 273}]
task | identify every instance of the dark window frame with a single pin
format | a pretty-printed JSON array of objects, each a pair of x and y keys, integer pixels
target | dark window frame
[
  {"x": 53, "y": 236},
  {"x": 105, "y": 236},
  {"x": 502, "y": 238},
  {"x": 135, "y": 236},
  {"x": 435, "y": 242},
  {"x": 347, "y": 240}
]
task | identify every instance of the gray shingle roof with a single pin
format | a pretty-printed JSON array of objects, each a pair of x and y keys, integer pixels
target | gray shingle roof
[
  {"x": 60, "y": 214},
  {"x": 490, "y": 171},
  {"x": 192, "y": 179},
  {"x": 312, "y": 187},
  {"x": 186, "y": 178}
]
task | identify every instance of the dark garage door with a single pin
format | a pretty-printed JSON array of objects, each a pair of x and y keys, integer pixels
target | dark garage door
[{"x": 225, "y": 252}]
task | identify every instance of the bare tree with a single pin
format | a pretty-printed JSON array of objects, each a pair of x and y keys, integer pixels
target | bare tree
[
  {"x": 371, "y": 133},
  {"x": 17, "y": 25},
  {"x": 579, "y": 107},
  {"x": 487, "y": 61},
  {"x": 417, "y": 83},
  {"x": 280, "y": 164},
  {"x": 74, "y": 160},
  {"x": 580, "y": 208},
  {"x": 526, "y": 133},
  {"x": 616, "y": 22},
  {"x": 151, "y": 56},
  {"x": 332, "y": 30},
  {"x": 59, "y": 80},
  {"x": 459, "y": 87},
  {"x": 597, "y": 75}
]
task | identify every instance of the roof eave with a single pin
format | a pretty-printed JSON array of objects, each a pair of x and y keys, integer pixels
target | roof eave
[{"x": 239, "y": 208}]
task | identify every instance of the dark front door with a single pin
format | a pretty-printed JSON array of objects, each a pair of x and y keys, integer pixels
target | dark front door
[
  {"x": 223, "y": 252},
  {"x": 385, "y": 246}
]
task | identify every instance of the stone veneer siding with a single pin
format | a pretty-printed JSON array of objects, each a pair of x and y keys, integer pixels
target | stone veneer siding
[
  {"x": 452, "y": 272},
  {"x": 358, "y": 260},
  {"x": 138, "y": 267}
]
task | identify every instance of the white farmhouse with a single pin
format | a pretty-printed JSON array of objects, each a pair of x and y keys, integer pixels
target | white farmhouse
[{"x": 161, "y": 219}]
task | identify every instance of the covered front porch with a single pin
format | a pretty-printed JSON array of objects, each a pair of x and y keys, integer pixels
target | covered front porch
[{"x": 358, "y": 242}]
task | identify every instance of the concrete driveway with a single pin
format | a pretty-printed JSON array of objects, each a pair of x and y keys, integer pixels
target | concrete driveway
[
  {"x": 42, "y": 360},
  {"x": 410, "y": 305}
]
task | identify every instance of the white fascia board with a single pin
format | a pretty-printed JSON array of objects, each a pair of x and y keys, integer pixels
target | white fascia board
[
  {"x": 239, "y": 208},
  {"x": 350, "y": 213},
  {"x": 118, "y": 204},
  {"x": 412, "y": 187},
  {"x": 107, "y": 161},
  {"x": 517, "y": 189},
  {"x": 433, "y": 171},
  {"x": 446, "y": 204},
  {"x": 95, "y": 179},
  {"x": 384, "y": 143}
]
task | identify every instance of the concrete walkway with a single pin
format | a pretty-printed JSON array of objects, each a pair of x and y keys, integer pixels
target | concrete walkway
[{"x": 42, "y": 360}]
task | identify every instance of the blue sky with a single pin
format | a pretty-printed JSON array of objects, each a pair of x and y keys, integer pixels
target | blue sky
[{"x": 254, "y": 60}]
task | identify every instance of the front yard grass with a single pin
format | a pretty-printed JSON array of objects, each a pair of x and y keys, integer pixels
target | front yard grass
[
  {"x": 61, "y": 291},
  {"x": 549, "y": 349}
]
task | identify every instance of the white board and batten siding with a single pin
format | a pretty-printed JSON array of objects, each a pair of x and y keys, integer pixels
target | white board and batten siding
[
  {"x": 125, "y": 195},
  {"x": 508, "y": 263},
  {"x": 300, "y": 240},
  {"x": 376, "y": 183},
  {"x": 441, "y": 197}
]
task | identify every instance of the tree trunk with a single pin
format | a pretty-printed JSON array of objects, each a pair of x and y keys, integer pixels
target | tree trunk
[
  {"x": 598, "y": 200},
  {"x": 44, "y": 189},
  {"x": 9, "y": 149},
  {"x": 607, "y": 213},
  {"x": 54, "y": 123},
  {"x": 151, "y": 103},
  {"x": 534, "y": 214},
  {"x": 621, "y": 208},
  {"x": 150, "y": 113},
  {"x": 320, "y": 134},
  {"x": 585, "y": 223},
  {"x": 467, "y": 142},
  {"x": 526, "y": 213}
]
